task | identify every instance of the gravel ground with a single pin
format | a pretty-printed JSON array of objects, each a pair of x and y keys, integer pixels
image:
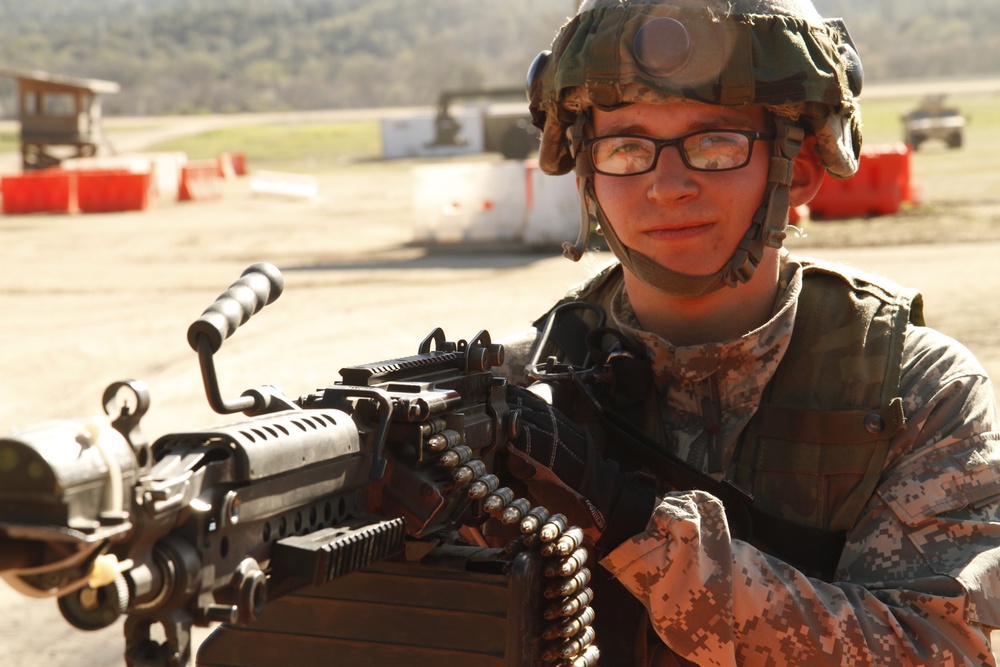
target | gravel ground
[{"x": 88, "y": 300}]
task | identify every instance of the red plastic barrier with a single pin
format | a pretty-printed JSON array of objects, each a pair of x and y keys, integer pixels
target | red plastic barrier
[
  {"x": 880, "y": 186},
  {"x": 45, "y": 191},
  {"x": 106, "y": 191},
  {"x": 200, "y": 179},
  {"x": 239, "y": 163}
]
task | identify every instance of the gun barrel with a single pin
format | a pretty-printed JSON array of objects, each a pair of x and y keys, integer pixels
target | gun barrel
[{"x": 68, "y": 479}]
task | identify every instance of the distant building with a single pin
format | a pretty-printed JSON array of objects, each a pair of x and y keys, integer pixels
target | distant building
[{"x": 60, "y": 116}]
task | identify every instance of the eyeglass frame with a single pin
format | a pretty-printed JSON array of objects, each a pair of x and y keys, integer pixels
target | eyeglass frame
[{"x": 659, "y": 144}]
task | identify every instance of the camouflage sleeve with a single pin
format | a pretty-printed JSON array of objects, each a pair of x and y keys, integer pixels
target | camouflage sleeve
[{"x": 918, "y": 582}]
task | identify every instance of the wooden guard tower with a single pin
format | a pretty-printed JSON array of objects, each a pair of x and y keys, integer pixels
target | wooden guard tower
[{"x": 58, "y": 111}]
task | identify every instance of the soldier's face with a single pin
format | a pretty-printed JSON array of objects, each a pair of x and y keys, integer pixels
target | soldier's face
[{"x": 689, "y": 221}]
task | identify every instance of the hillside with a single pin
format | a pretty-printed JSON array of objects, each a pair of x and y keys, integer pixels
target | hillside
[
  {"x": 192, "y": 56},
  {"x": 900, "y": 39}
]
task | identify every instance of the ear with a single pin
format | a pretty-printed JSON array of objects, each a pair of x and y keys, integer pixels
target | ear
[{"x": 807, "y": 174}]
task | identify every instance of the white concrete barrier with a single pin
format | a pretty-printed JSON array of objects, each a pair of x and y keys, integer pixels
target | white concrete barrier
[
  {"x": 281, "y": 184},
  {"x": 414, "y": 136},
  {"x": 507, "y": 201},
  {"x": 553, "y": 211},
  {"x": 475, "y": 201}
]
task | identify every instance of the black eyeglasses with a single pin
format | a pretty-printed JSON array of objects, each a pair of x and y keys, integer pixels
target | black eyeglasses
[{"x": 712, "y": 150}]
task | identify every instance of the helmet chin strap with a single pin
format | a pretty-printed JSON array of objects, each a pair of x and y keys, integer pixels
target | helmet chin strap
[{"x": 766, "y": 229}]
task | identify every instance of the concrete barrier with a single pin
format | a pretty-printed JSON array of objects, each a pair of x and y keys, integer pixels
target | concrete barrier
[
  {"x": 280, "y": 184},
  {"x": 509, "y": 201},
  {"x": 475, "y": 201}
]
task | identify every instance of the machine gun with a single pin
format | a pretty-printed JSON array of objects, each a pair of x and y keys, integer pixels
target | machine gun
[{"x": 387, "y": 473}]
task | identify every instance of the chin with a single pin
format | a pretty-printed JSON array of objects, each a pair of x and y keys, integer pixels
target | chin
[{"x": 687, "y": 265}]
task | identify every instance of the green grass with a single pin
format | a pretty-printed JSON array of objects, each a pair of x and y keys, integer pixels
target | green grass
[
  {"x": 968, "y": 174},
  {"x": 883, "y": 116},
  {"x": 9, "y": 142},
  {"x": 303, "y": 147}
]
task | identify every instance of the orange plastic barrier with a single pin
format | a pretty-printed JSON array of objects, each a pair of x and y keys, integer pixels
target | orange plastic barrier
[
  {"x": 239, "y": 163},
  {"x": 44, "y": 191},
  {"x": 880, "y": 186},
  {"x": 106, "y": 191},
  {"x": 200, "y": 179}
]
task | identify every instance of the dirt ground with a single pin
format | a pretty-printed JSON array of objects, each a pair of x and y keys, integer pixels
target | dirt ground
[{"x": 87, "y": 300}]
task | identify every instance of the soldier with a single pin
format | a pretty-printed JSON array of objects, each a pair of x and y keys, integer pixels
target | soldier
[{"x": 774, "y": 457}]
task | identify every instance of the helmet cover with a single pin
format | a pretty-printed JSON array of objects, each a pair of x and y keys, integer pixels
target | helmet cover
[{"x": 774, "y": 53}]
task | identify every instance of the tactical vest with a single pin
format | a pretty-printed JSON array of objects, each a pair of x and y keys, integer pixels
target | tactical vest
[{"x": 812, "y": 455}]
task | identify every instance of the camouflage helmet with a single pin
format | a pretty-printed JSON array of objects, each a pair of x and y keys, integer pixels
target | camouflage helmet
[{"x": 779, "y": 54}]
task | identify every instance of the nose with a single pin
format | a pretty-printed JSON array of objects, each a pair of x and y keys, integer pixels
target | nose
[{"x": 670, "y": 179}]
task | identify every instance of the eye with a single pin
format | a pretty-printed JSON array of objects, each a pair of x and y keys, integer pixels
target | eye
[
  {"x": 624, "y": 146},
  {"x": 623, "y": 154},
  {"x": 716, "y": 150}
]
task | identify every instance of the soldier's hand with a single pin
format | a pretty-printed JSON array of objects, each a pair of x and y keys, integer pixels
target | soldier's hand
[
  {"x": 546, "y": 435},
  {"x": 557, "y": 461}
]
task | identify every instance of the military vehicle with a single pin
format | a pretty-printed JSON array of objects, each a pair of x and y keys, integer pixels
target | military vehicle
[{"x": 933, "y": 120}]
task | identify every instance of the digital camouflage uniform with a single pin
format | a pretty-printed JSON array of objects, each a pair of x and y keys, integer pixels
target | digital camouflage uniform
[
  {"x": 918, "y": 582},
  {"x": 918, "y": 576}
]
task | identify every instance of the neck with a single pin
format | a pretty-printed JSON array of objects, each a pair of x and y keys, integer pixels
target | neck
[{"x": 725, "y": 314}]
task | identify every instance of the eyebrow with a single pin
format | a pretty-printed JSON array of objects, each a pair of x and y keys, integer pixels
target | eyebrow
[{"x": 698, "y": 126}]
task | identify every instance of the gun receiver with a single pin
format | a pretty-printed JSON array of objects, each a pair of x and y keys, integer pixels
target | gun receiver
[{"x": 209, "y": 525}]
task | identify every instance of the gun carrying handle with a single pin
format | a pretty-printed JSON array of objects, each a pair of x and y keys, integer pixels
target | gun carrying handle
[
  {"x": 259, "y": 285},
  {"x": 211, "y": 381}
]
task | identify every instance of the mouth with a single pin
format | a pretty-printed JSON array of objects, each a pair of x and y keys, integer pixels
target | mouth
[{"x": 679, "y": 231}]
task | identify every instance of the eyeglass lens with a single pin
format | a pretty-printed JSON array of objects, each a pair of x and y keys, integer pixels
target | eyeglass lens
[{"x": 703, "y": 151}]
